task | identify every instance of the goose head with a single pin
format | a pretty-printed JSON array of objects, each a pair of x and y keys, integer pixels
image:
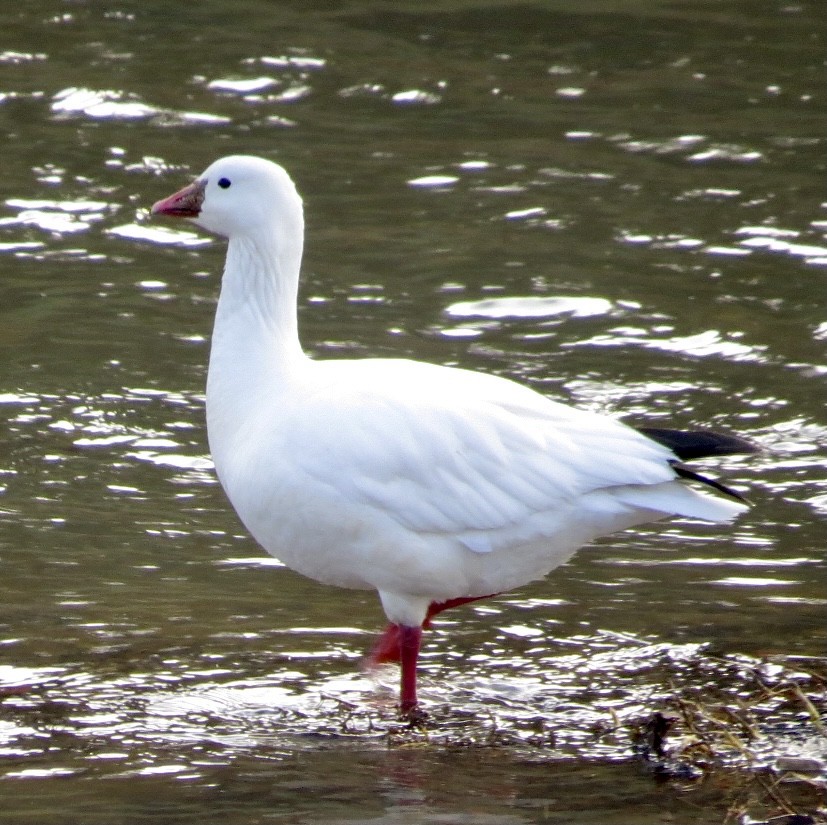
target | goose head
[{"x": 239, "y": 196}]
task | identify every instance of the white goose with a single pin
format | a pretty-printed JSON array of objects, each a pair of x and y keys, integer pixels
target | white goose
[{"x": 432, "y": 485}]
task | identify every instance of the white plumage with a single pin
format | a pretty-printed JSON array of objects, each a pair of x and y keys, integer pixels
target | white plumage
[{"x": 425, "y": 483}]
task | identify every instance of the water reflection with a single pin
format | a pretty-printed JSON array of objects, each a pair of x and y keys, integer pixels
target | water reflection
[
  {"x": 158, "y": 235},
  {"x": 583, "y": 700}
]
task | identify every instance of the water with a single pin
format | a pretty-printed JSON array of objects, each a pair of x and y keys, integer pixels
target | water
[{"x": 619, "y": 204}]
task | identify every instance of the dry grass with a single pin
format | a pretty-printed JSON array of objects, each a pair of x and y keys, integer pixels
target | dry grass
[{"x": 762, "y": 745}]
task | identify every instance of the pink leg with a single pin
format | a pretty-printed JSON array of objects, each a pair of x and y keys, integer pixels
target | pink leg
[
  {"x": 387, "y": 648},
  {"x": 438, "y": 607},
  {"x": 401, "y": 643},
  {"x": 409, "y": 641}
]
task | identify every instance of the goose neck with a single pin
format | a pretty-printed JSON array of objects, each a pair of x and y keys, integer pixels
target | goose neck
[{"x": 259, "y": 294}]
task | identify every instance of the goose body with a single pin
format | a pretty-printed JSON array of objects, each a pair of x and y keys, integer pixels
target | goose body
[{"x": 431, "y": 485}]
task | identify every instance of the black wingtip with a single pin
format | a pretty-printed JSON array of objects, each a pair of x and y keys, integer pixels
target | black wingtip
[
  {"x": 692, "y": 444},
  {"x": 691, "y": 475}
]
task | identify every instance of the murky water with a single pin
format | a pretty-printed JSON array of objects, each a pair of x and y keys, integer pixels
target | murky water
[{"x": 619, "y": 204}]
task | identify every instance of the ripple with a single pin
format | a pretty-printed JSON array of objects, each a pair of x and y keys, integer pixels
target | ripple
[
  {"x": 264, "y": 89},
  {"x": 416, "y": 97},
  {"x": 16, "y": 58},
  {"x": 14, "y": 678},
  {"x": 18, "y": 398},
  {"x": 713, "y": 193},
  {"x": 295, "y": 61},
  {"x": 767, "y": 231},
  {"x": 598, "y": 682},
  {"x": 21, "y": 246},
  {"x": 531, "y": 307},
  {"x": 105, "y": 103},
  {"x": 710, "y": 343},
  {"x": 58, "y": 216},
  {"x": 170, "y": 117},
  {"x": 362, "y": 90},
  {"x": 775, "y": 239},
  {"x": 523, "y": 214},
  {"x": 753, "y": 581},
  {"x": 111, "y": 104},
  {"x": 713, "y": 561},
  {"x": 242, "y": 86},
  {"x": 181, "y": 715},
  {"x": 107, "y": 425},
  {"x": 727, "y": 154},
  {"x": 158, "y": 235},
  {"x": 689, "y": 146},
  {"x": 672, "y": 240},
  {"x": 60, "y": 205},
  {"x": 433, "y": 181},
  {"x": 39, "y": 773},
  {"x": 255, "y": 561},
  {"x": 175, "y": 461},
  {"x": 729, "y": 251},
  {"x": 571, "y": 92},
  {"x": 225, "y": 701}
]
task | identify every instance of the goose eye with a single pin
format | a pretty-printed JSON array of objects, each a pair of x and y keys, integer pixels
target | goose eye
[{"x": 224, "y": 183}]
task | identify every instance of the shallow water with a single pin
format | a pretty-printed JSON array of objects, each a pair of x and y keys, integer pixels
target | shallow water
[{"x": 619, "y": 204}]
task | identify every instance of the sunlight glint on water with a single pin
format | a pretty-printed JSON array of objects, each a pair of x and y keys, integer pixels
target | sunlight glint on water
[{"x": 632, "y": 225}]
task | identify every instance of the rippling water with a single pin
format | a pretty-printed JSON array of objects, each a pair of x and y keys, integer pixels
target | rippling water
[{"x": 620, "y": 204}]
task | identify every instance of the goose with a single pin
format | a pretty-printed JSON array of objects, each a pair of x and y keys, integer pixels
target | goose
[{"x": 432, "y": 485}]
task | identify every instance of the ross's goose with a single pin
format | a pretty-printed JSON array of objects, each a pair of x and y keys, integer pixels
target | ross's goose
[{"x": 432, "y": 485}]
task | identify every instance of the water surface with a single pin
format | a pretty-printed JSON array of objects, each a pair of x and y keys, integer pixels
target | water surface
[{"x": 621, "y": 205}]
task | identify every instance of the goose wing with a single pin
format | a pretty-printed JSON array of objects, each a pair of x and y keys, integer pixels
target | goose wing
[{"x": 448, "y": 451}]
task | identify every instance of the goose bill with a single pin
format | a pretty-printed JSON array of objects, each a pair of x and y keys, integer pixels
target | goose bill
[{"x": 185, "y": 203}]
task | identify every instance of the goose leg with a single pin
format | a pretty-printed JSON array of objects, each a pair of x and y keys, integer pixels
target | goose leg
[
  {"x": 401, "y": 643},
  {"x": 387, "y": 649},
  {"x": 409, "y": 641}
]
